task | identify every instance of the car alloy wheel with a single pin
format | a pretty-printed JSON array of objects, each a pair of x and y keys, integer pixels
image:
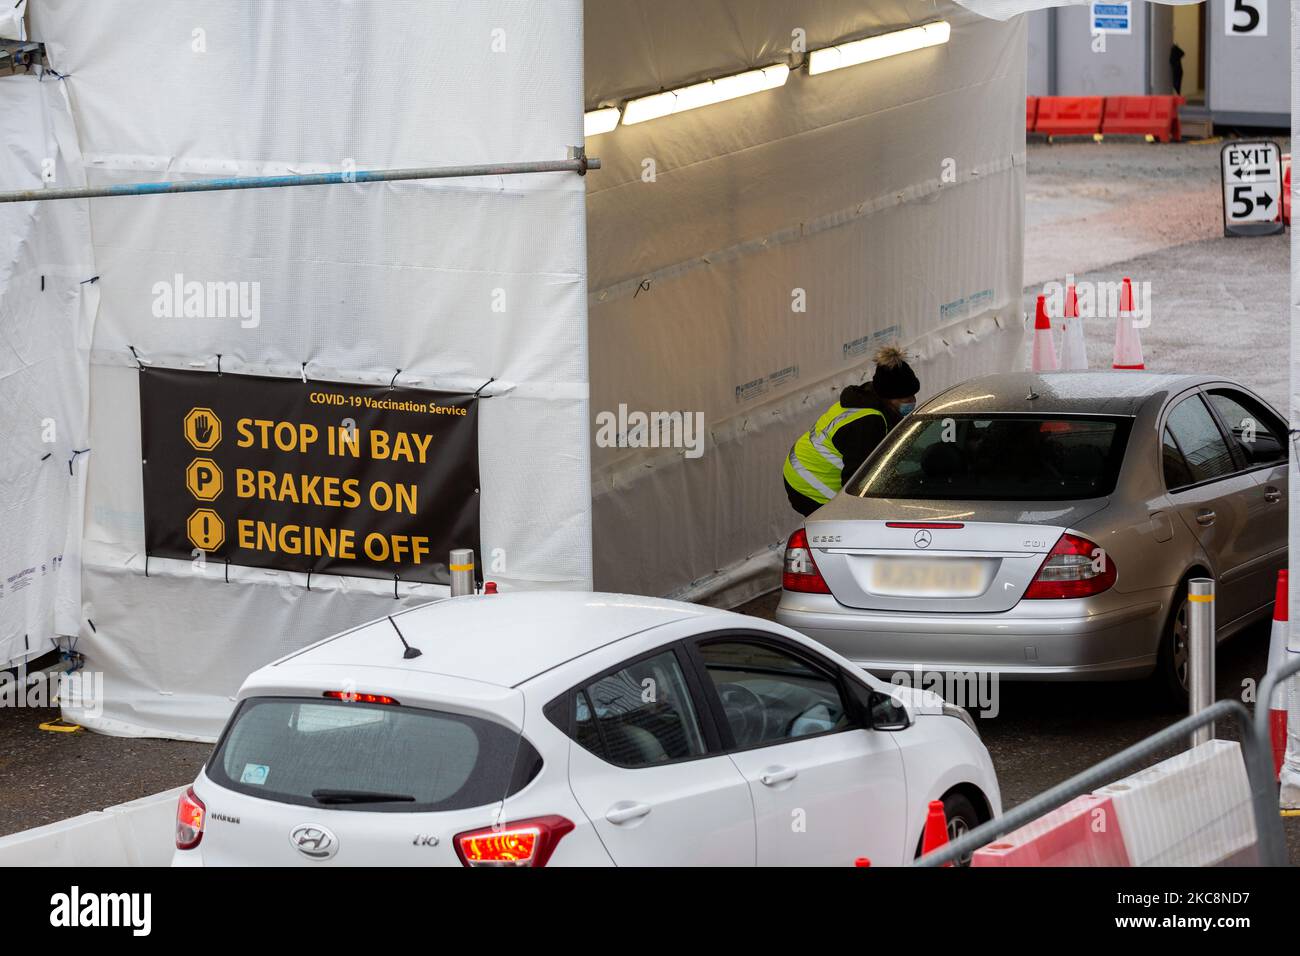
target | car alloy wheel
[
  {"x": 962, "y": 818},
  {"x": 1179, "y": 651}
]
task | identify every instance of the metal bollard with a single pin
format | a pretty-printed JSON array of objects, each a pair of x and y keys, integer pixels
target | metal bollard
[
  {"x": 1200, "y": 652},
  {"x": 461, "y": 566}
]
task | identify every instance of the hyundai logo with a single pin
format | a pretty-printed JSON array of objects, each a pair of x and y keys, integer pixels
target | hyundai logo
[
  {"x": 314, "y": 842},
  {"x": 923, "y": 538}
]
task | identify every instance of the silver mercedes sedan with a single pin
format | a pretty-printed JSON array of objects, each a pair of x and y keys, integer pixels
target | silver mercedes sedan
[{"x": 1045, "y": 527}]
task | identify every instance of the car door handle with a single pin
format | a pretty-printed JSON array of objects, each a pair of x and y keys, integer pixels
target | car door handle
[
  {"x": 774, "y": 775},
  {"x": 1205, "y": 517},
  {"x": 621, "y": 813},
  {"x": 1271, "y": 494}
]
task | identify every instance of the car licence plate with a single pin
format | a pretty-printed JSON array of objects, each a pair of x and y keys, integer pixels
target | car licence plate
[{"x": 916, "y": 577}]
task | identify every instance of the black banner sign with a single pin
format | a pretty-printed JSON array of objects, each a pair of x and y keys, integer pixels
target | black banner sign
[{"x": 364, "y": 480}]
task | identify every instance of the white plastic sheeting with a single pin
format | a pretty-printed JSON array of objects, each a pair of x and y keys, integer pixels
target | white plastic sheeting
[
  {"x": 889, "y": 197},
  {"x": 13, "y": 23},
  {"x": 453, "y": 282},
  {"x": 47, "y": 311}
]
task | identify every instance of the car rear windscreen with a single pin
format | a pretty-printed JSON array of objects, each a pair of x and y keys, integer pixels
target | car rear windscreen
[
  {"x": 996, "y": 457},
  {"x": 349, "y": 755}
]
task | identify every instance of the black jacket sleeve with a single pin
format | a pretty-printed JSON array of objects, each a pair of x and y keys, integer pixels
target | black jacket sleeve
[{"x": 856, "y": 440}]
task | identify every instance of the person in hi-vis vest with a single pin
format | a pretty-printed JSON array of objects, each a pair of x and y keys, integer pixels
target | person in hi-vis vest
[{"x": 827, "y": 455}]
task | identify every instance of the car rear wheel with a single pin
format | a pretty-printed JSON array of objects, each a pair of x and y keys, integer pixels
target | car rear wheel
[{"x": 1172, "y": 661}]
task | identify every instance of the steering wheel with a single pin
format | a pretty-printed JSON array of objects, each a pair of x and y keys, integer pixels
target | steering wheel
[{"x": 745, "y": 712}]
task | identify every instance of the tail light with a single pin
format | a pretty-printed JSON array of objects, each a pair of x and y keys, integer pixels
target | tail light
[
  {"x": 190, "y": 814},
  {"x": 1075, "y": 568},
  {"x": 947, "y": 525},
  {"x": 800, "y": 570},
  {"x": 352, "y": 697},
  {"x": 522, "y": 843}
]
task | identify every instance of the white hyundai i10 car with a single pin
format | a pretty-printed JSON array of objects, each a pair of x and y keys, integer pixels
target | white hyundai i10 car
[{"x": 577, "y": 729}]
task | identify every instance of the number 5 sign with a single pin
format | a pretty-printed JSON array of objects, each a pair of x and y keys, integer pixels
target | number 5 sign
[
  {"x": 1245, "y": 18},
  {"x": 1252, "y": 188}
]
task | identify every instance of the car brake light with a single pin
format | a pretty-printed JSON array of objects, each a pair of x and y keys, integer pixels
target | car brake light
[
  {"x": 190, "y": 814},
  {"x": 1074, "y": 568},
  {"x": 948, "y": 525},
  {"x": 352, "y": 697},
  {"x": 800, "y": 570},
  {"x": 522, "y": 843}
]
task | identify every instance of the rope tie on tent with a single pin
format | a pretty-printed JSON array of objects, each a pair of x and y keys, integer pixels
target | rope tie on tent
[
  {"x": 228, "y": 571},
  {"x": 642, "y": 286},
  {"x": 75, "y": 453},
  {"x": 394, "y": 587},
  {"x": 303, "y": 372},
  {"x": 479, "y": 392},
  {"x": 309, "y": 579},
  {"x": 91, "y": 281},
  {"x": 391, "y": 382},
  {"x": 136, "y": 355},
  {"x": 218, "y": 363}
]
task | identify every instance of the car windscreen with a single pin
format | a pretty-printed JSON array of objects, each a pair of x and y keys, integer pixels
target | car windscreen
[
  {"x": 996, "y": 457},
  {"x": 349, "y": 755}
]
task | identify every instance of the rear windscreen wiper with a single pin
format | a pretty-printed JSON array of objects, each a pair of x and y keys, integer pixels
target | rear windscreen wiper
[{"x": 360, "y": 796}]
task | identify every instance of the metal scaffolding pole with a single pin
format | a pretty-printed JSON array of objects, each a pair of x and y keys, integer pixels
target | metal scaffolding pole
[{"x": 578, "y": 163}]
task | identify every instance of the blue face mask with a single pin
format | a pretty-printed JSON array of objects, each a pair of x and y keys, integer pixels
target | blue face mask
[{"x": 906, "y": 408}]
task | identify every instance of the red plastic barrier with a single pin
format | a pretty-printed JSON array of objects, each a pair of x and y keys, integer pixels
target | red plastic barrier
[
  {"x": 1143, "y": 116},
  {"x": 1031, "y": 112},
  {"x": 1069, "y": 115},
  {"x": 1084, "y": 832}
]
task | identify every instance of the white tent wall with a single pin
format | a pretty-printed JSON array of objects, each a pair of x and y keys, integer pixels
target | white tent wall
[
  {"x": 47, "y": 312},
  {"x": 356, "y": 282},
  {"x": 891, "y": 194}
]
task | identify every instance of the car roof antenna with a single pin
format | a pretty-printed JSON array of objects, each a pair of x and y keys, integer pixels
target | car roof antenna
[{"x": 411, "y": 652}]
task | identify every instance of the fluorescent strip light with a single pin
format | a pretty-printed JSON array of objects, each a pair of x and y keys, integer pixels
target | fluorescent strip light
[
  {"x": 599, "y": 121},
  {"x": 878, "y": 47},
  {"x": 704, "y": 94}
]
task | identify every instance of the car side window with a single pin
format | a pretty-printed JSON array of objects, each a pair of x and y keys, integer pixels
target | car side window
[
  {"x": 1177, "y": 474},
  {"x": 1256, "y": 432},
  {"x": 771, "y": 696},
  {"x": 637, "y": 716},
  {"x": 1204, "y": 451}
]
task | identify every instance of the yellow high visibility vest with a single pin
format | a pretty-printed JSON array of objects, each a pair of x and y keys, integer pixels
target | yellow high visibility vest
[{"x": 814, "y": 464}]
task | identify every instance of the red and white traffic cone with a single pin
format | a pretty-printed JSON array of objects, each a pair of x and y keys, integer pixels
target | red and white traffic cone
[
  {"x": 936, "y": 826},
  {"x": 1044, "y": 354},
  {"x": 1277, "y": 655},
  {"x": 1074, "y": 352},
  {"x": 1128, "y": 343}
]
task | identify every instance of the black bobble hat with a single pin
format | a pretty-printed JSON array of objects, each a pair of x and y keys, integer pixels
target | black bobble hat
[{"x": 894, "y": 378}]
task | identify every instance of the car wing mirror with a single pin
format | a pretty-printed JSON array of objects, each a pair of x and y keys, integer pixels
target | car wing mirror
[{"x": 887, "y": 713}]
